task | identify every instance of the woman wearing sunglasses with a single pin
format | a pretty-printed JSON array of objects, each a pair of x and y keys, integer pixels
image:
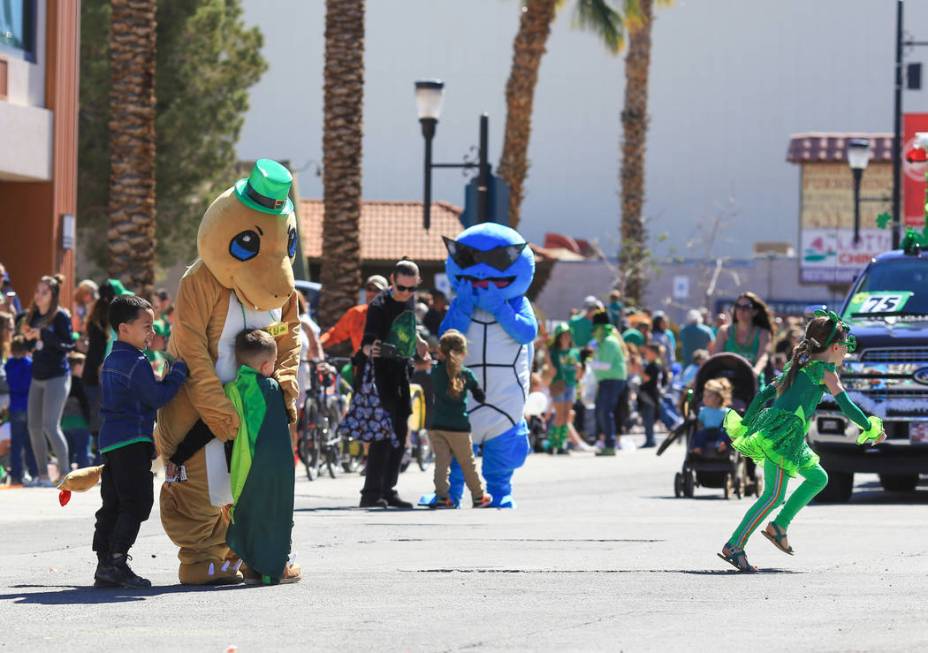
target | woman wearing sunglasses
[{"x": 750, "y": 332}]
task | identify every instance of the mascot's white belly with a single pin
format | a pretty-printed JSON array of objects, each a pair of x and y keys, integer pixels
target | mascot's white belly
[
  {"x": 502, "y": 367},
  {"x": 238, "y": 319}
]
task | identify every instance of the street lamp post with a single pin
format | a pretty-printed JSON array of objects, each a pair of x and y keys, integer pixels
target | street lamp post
[
  {"x": 858, "y": 156},
  {"x": 429, "y": 96}
]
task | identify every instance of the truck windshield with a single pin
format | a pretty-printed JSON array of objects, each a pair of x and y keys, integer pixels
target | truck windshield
[{"x": 900, "y": 274}]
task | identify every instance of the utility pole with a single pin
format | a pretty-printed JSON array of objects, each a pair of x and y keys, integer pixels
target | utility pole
[{"x": 897, "y": 131}]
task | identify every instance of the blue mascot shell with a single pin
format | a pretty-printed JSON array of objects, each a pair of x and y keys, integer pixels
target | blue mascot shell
[{"x": 513, "y": 281}]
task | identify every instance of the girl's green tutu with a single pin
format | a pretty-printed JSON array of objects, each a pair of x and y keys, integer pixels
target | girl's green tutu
[{"x": 775, "y": 435}]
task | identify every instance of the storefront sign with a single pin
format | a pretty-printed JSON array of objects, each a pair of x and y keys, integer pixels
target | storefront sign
[
  {"x": 831, "y": 256},
  {"x": 826, "y": 238}
]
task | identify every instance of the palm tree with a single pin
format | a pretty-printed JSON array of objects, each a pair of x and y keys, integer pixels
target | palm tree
[
  {"x": 131, "y": 234},
  {"x": 341, "y": 145},
  {"x": 634, "y": 253},
  {"x": 528, "y": 48}
]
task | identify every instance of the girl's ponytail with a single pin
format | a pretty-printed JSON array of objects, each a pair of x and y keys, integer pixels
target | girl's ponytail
[
  {"x": 453, "y": 346},
  {"x": 799, "y": 358}
]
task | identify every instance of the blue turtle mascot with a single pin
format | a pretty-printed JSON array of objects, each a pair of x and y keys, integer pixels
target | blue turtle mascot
[{"x": 491, "y": 268}]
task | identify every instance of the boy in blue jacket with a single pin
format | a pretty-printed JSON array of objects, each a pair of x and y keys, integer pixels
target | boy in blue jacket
[{"x": 131, "y": 395}]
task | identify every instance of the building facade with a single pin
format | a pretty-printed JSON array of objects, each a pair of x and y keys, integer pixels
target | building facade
[{"x": 39, "y": 71}]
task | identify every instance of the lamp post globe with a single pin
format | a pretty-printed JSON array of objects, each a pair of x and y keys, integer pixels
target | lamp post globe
[
  {"x": 858, "y": 157},
  {"x": 858, "y": 153},
  {"x": 429, "y": 96}
]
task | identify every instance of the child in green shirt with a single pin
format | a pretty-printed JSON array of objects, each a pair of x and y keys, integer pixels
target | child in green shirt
[
  {"x": 565, "y": 358},
  {"x": 450, "y": 430}
]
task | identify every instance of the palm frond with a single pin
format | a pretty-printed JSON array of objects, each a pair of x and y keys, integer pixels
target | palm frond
[{"x": 601, "y": 17}]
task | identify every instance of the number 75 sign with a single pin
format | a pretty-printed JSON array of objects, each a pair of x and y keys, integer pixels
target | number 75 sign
[{"x": 878, "y": 302}]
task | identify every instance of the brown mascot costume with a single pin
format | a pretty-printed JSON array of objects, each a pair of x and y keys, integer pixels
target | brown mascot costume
[{"x": 242, "y": 279}]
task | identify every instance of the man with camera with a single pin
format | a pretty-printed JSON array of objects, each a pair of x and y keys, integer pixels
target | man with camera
[{"x": 390, "y": 343}]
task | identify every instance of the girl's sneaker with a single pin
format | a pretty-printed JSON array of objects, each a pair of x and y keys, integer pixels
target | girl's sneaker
[{"x": 483, "y": 502}]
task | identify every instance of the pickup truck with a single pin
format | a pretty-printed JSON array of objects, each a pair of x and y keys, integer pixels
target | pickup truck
[{"x": 887, "y": 376}]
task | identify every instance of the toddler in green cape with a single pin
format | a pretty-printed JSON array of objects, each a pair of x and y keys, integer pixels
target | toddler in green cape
[{"x": 261, "y": 467}]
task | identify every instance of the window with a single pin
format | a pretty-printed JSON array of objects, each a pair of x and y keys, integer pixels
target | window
[{"x": 17, "y": 26}]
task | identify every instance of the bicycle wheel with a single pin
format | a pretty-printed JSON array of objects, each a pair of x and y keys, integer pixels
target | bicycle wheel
[
  {"x": 350, "y": 454},
  {"x": 330, "y": 448},
  {"x": 308, "y": 445},
  {"x": 424, "y": 453}
]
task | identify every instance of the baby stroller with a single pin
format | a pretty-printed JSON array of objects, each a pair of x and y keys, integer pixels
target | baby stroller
[{"x": 728, "y": 470}]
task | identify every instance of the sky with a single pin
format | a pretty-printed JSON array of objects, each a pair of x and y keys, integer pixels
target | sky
[{"x": 730, "y": 81}]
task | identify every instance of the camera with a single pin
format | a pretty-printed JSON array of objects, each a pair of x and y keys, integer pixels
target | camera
[{"x": 388, "y": 350}]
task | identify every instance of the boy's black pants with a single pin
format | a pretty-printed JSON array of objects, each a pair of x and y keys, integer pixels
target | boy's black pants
[{"x": 128, "y": 495}]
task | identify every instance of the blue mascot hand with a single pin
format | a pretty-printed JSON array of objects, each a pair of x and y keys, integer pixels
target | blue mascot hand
[
  {"x": 462, "y": 306},
  {"x": 492, "y": 299},
  {"x": 464, "y": 296}
]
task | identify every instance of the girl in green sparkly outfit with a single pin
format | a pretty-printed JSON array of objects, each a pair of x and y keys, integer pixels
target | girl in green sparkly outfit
[
  {"x": 565, "y": 359},
  {"x": 776, "y": 436}
]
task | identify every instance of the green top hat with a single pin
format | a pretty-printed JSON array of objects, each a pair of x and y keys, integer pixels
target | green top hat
[
  {"x": 161, "y": 328},
  {"x": 561, "y": 329},
  {"x": 267, "y": 188}
]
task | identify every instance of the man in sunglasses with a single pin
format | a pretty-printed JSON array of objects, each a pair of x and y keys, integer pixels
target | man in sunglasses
[{"x": 390, "y": 343}]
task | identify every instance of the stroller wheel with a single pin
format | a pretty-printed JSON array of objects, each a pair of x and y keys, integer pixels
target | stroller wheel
[
  {"x": 678, "y": 485},
  {"x": 689, "y": 484},
  {"x": 740, "y": 483}
]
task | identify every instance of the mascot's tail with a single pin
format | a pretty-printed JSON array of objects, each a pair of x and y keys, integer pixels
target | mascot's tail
[{"x": 80, "y": 480}]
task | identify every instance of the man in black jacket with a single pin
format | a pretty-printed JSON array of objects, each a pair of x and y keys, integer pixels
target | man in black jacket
[{"x": 390, "y": 343}]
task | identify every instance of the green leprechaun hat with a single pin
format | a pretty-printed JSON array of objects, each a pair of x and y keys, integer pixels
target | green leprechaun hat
[{"x": 267, "y": 188}]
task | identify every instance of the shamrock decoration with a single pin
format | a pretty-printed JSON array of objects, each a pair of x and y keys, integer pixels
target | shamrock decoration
[{"x": 882, "y": 220}]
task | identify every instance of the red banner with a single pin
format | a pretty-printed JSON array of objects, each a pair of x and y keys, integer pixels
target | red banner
[{"x": 913, "y": 173}]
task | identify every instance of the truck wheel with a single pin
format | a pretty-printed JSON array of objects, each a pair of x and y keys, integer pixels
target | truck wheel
[
  {"x": 839, "y": 489},
  {"x": 899, "y": 482}
]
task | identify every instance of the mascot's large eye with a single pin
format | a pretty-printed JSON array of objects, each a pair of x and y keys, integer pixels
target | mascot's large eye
[
  {"x": 245, "y": 246},
  {"x": 291, "y": 242}
]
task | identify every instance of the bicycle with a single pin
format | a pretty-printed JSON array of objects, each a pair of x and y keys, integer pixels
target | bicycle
[{"x": 319, "y": 442}]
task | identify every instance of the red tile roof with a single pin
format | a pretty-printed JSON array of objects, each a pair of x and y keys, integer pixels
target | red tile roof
[
  {"x": 389, "y": 230},
  {"x": 824, "y": 147}
]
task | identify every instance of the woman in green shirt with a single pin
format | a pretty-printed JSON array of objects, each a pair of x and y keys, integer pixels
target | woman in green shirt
[
  {"x": 565, "y": 359},
  {"x": 750, "y": 333}
]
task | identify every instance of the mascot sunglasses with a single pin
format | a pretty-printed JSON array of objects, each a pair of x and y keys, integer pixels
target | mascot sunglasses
[{"x": 498, "y": 258}]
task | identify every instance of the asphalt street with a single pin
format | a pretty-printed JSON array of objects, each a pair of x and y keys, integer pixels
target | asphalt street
[{"x": 599, "y": 555}]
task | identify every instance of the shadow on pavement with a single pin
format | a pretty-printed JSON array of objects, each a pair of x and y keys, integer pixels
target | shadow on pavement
[
  {"x": 696, "y": 497},
  {"x": 699, "y": 572},
  {"x": 89, "y": 595},
  {"x": 886, "y": 498},
  {"x": 339, "y": 509}
]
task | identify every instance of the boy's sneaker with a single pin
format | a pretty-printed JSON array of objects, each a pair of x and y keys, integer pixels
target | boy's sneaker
[
  {"x": 116, "y": 572},
  {"x": 442, "y": 503},
  {"x": 606, "y": 451},
  {"x": 484, "y": 502}
]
